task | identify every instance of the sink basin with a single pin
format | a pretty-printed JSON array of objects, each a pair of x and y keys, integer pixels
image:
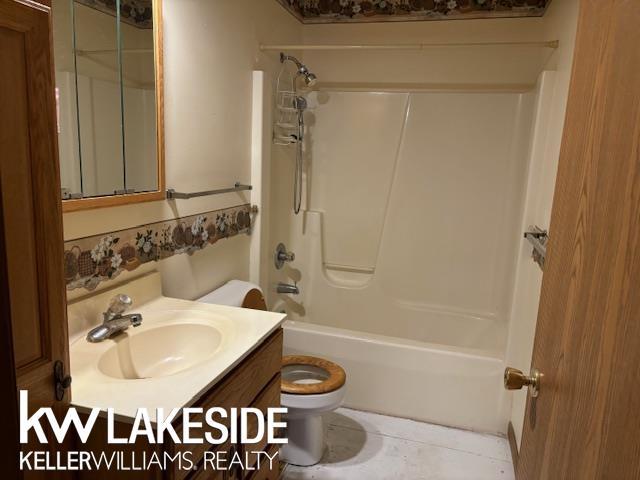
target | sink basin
[
  {"x": 180, "y": 351},
  {"x": 160, "y": 352}
]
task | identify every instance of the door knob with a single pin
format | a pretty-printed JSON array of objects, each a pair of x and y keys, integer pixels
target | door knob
[{"x": 514, "y": 379}]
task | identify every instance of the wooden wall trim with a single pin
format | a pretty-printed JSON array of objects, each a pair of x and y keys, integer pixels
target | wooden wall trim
[{"x": 111, "y": 201}]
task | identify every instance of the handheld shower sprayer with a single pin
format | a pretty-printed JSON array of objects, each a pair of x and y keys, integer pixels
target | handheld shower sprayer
[{"x": 300, "y": 105}]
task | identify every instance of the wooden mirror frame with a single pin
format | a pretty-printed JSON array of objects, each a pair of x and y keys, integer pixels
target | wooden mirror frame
[{"x": 75, "y": 205}]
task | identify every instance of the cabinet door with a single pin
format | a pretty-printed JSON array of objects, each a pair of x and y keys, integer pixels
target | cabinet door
[
  {"x": 268, "y": 398},
  {"x": 268, "y": 471},
  {"x": 30, "y": 200}
]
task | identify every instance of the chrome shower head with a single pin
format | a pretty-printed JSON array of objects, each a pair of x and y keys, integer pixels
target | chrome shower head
[{"x": 309, "y": 78}]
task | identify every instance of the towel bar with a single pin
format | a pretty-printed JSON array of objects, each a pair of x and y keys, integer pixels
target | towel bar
[
  {"x": 538, "y": 238},
  {"x": 238, "y": 187}
]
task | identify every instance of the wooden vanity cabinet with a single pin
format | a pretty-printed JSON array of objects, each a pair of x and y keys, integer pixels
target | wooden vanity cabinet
[
  {"x": 269, "y": 397},
  {"x": 255, "y": 382}
]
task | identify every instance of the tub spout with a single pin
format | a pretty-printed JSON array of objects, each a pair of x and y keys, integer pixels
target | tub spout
[{"x": 288, "y": 288}]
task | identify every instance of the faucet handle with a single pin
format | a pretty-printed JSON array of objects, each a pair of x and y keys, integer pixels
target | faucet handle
[
  {"x": 119, "y": 304},
  {"x": 136, "y": 319},
  {"x": 283, "y": 256}
]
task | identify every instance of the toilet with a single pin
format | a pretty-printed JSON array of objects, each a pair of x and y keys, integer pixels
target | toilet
[{"x": 310, "y": 386}]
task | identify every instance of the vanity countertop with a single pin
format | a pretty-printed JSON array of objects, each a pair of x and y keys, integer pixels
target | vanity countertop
[{"x": 180, "y": 351}]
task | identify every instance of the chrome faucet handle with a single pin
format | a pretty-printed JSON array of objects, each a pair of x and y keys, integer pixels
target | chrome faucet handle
[
  {"x": 283, "y": 256},
  {"x": 136, "y": 319},
  {"x": 119, "y": 304}
]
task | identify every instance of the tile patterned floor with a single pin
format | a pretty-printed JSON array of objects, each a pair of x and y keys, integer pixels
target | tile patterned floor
[{"x": 366, "y": 446}]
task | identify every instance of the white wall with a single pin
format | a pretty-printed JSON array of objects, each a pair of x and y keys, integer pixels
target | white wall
[
  {"x": 561, "y": 23},
  {"x": 211, "y": 49},
  {"x": 449, "y": 66}
]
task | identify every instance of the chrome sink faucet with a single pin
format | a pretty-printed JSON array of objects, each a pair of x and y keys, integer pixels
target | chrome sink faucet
[{"x": 114, "y": 321}]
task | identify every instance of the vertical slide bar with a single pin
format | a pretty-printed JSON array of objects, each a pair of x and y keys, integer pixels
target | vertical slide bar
[{"x": 257, "y": 157}]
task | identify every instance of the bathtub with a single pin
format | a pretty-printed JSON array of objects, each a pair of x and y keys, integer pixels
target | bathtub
[
  {"x": 394, "y": 285},
  {"x": 451, "y": 386}
]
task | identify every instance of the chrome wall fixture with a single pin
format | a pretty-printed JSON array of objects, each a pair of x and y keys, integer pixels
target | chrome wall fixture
[
  {"x": 291, "y": 128},
  {"x": 309, "y": 78},
  {"x": 282, "y": 256},
  {"x": 287, "y": 289},
  {"x": 238, "y": 187},
  {"x": 538, "y": 238},
  {"x": 553, "y": 44}
]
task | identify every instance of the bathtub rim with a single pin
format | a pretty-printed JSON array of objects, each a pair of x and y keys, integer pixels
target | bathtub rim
[{"x": 390, "y": 341}]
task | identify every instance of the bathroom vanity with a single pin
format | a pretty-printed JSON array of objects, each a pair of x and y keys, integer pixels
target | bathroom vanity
[
  {"x": 184, "y": 354},
  {"x": 255, "y": 382}
]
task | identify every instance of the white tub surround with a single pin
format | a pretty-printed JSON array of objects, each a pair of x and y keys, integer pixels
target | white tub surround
[
  {"x": 396, "y": 183},
  {"x": 178, "y": 353}
]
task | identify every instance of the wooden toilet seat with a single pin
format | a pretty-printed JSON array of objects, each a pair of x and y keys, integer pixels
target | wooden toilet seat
[{"x": 336, "y": 376}]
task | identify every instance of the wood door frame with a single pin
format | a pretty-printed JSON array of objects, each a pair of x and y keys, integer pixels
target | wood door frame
[
  {"x": 9, "y": 403},
  {"x": 31, "y": 240}
]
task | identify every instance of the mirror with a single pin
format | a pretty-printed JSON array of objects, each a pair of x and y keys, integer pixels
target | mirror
[{"x": 109, "y": 95}]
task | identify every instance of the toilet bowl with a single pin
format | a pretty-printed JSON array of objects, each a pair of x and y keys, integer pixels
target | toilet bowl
[{"x": 311, "y": 386}]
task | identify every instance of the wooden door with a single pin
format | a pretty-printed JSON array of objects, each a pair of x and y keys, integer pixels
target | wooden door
[
  {"x": 30, "y": 201},
  {"x": 585, "y": 424}
]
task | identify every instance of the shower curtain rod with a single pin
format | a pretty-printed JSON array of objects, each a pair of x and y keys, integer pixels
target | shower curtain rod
[{"x": 415, "y": 46}]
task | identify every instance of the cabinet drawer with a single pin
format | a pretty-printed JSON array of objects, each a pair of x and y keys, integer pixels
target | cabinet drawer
[
  {"x": 268, "y": 398},
  {"x": 212, "y": 474},
  {"x": 238, "y": 389},
  {"x": 207, "y": 475},
  {"x": 203, "y": 474},
  {"x": 267, "y": 471}
]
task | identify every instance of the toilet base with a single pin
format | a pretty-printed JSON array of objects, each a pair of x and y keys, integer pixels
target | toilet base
[{"x": 306, "y": 441}]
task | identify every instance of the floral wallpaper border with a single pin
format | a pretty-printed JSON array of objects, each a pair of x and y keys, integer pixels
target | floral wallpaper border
[
  {"x": 91, "y": 260},
  {"x": 138, "y": 13},
  {"x": 336, "y": 11}
]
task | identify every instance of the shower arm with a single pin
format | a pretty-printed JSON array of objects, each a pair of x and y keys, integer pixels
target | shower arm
[
  {"x": 303, "y": 71},
  {"x": 284, "y": 57}
]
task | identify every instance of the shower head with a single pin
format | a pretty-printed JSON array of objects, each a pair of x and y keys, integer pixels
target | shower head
[{"x": 309, "y": 78}]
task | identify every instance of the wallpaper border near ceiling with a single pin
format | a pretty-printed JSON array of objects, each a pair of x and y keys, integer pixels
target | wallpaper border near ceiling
[
  {"x": 138, "y": 13},
  {"x": 362, "y": 11},
  {"x": 91, "y": 260}
]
